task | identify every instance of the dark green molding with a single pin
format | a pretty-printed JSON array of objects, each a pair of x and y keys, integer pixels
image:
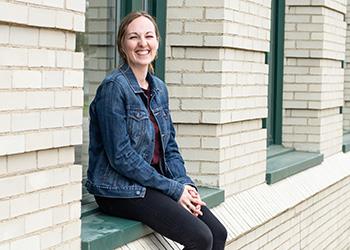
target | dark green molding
[
  {"x": 287, "y": 164},
  {"x": 159, "y": 11},
  {"x": 100, "y": 231},
  {"x": 346, "y": 143},
  {"x": 276, "y": 150},
  {"x": 276, "y": 66}
]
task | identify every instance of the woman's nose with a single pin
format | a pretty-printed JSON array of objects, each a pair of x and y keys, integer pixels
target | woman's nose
[{"x": 142, "y": 41}]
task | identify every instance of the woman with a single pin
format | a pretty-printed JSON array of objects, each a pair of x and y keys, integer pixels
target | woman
[{"x": 135, "y": 168}]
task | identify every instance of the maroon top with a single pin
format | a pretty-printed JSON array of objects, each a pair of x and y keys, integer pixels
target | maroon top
[{"x": 157, "y": 154}]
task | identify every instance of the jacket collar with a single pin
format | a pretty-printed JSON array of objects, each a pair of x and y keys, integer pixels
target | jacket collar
[{"x": 129, "y": 75}]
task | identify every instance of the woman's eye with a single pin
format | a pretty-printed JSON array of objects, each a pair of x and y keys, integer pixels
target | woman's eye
[{"x": 132, "y": 37}]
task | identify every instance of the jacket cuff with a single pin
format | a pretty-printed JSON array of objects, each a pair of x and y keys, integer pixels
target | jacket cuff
[{"x": 178, "y": 190}]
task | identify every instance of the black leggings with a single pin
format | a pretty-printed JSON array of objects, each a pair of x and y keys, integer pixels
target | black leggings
[{"x": 169, "y": 218}]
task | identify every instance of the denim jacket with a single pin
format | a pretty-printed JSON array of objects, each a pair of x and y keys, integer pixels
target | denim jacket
[{"x": 122, "y": 140}]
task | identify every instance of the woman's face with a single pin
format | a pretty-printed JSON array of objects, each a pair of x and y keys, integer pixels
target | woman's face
[{"x": 140, "y": 43}]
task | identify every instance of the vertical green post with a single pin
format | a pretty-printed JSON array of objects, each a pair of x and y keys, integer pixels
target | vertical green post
[
  {"x": 276, "y": 64},
  {"x": 158, "y": 10}
]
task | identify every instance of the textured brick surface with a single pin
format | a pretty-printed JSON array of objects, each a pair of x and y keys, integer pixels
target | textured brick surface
[
  {"x": 39, "y": 184},
  {"x": 314, "y": 76}
]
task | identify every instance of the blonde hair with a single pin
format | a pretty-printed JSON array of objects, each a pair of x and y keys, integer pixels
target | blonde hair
[{"x": 123, "y": 28}]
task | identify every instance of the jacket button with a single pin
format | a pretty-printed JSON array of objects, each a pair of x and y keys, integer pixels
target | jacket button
[{"x": 138, "y": 192}]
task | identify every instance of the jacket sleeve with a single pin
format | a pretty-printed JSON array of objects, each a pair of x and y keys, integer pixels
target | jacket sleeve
[
  {"x": 111, "y": 115},
  {"x": 173, "y": 158}
]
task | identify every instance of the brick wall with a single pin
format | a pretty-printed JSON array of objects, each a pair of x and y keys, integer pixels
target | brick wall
[
  {"x": 305, "y": 211},
  {"x": 314, "y": 76},
  {"x": 346, "y": 109},
  {"x": 217, "y": 79},
  {"x": 41, "y": 96}
]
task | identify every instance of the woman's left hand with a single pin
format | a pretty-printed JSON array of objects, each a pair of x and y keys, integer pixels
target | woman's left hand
[
  {"x": 197, "y": 201},
  {"x": 191, "y": 200}
]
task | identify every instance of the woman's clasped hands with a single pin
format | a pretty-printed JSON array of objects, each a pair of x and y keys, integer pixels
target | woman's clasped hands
[{"x": 191, "y": 201}]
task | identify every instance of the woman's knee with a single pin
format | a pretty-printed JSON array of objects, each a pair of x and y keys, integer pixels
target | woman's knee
[
  {"x": 220, "y": 233},
  {"x": 203, "y": 239}
]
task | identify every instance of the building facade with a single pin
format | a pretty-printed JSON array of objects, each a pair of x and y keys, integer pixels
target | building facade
[
  {"x": 259, "y": 94},
  {"x": 41, "y": 80}
]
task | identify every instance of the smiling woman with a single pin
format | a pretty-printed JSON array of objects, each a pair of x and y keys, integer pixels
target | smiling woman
[{"x": 135, "y": 168}]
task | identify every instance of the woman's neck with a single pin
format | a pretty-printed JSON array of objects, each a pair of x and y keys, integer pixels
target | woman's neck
[{"x": 140, "y": 74}]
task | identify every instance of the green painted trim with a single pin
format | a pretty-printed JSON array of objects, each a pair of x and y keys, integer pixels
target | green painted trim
[
  {"x": 276, "y": 150},
  {"x": 276, "y": 63},
  {"x": 127, "y": 6},
  {"x": 88, "y": 209},
  {"x": 346, "y": 143},
  {"x": 263, "y": 122},
  {"x": 288, "y": 164},
  {"x": 159, "y": 11},
  {"x": 100, "y": 231}
]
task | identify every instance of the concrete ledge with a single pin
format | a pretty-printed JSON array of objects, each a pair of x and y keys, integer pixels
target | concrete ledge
[
  {"x": 287, "y": 163},
  {"x": 100, "y": 231}
]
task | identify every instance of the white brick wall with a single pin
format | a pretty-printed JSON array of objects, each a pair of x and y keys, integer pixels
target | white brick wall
[
  {"x": 219, "y": 86},
  {"x": 346, "y": 109},
  {"x": 314, "y": 76},
  {"x": 228, "y": 82},
  {"x": 40, "y": 117},
  {"x": 231, "y": 156},
  {"x": 35, "y": 15}
]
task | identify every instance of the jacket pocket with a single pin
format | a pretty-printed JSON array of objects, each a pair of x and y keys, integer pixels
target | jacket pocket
[{"x": 137, "y": 121}]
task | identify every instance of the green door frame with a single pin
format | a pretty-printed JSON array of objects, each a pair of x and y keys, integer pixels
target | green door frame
[
  {"x": 276, "y": 65},
  {"x": 158, "y": 10}
]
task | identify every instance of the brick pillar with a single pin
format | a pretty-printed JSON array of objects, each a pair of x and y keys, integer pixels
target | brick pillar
[
  {"x": 346, "y": 109},
  {"x": 314, "y": 77},
  {"x": 217, "y": 79},
  {"x": 41, "y": 100}
]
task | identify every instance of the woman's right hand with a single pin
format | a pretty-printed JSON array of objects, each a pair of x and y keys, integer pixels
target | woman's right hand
[{"x": 191, "y": 201}]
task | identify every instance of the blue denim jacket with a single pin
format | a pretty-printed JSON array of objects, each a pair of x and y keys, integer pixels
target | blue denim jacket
[{"x": 122, "y": 140}]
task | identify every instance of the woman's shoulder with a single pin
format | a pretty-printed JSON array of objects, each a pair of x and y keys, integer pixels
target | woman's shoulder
[
  {"x": 114, "y": 77},
  {"x": 112, "y": 84}
]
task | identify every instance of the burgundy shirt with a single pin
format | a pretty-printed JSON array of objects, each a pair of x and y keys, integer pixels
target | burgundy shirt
[{"x": 157, "y": 154}]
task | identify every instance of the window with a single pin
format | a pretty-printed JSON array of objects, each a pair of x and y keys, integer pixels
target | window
[{"x": 281, "y": 162}]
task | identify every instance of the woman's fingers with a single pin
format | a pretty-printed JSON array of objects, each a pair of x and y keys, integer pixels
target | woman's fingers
[{"x": 191, "y": 201}]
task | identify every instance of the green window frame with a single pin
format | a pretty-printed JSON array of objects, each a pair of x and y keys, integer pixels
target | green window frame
[
  {"x": 276, "y": 65},
  {"x": 281, "y": 162}
]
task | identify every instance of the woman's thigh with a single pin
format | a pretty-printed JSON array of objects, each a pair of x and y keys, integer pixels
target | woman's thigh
[{"x": 164, "y": 215}]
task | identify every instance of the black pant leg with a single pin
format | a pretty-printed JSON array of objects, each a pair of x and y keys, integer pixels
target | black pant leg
[
  {"x": 218, "y": 230},
  {"x": 166, "y": 217}
]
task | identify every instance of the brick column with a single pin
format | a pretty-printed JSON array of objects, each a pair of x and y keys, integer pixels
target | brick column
[
  {"x": 314, "y": 77},
  {"x": 346, "y": 109},
  {"x": 41, "y": 95},
  {"x": 217, "y": 80}
]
